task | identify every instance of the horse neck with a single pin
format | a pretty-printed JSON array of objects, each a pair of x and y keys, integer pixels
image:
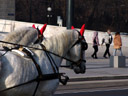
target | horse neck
[{"x": 61, "y": 43}]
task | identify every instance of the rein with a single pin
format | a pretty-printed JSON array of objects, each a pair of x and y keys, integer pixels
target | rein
[
  {"x": 40, "y": 77},
  {"x": 43, "y": 49}
]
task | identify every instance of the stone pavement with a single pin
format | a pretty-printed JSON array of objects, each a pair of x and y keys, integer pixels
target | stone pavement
[{"x": 99, "y": 69}]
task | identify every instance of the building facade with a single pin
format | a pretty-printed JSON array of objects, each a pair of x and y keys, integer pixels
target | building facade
[
  {"x": 7, "y": 9},
  {"x": 95, "y": 14}
]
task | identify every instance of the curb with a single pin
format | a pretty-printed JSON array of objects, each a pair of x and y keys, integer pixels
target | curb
[{"x": 98, "y": 78}]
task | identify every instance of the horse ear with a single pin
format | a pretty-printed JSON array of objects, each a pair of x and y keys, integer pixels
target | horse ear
[
  {"x": 43, "y": 29},
  {"x": 34, "y": 26},
  {"x": 72, "y": 27},
  {"x": 82, "y": 29}
]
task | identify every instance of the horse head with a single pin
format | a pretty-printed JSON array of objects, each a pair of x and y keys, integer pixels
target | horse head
[
  {"x": 77, "y": 54},
  {"x": 40, "y": 33},
  {"x": 25, "y": 36}
]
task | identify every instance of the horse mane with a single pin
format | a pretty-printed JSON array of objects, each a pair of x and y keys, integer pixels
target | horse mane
[{"x": 23, "y": 36}]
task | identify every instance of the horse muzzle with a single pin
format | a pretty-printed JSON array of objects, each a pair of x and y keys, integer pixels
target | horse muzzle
[{"x": 79, "y": 69}]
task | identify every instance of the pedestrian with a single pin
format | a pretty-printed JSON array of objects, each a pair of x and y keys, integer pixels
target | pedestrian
[
  {"x": 95, "y": 44},
  {"x": 107, "y": 40},
  {"x": 117, "y": 44}
]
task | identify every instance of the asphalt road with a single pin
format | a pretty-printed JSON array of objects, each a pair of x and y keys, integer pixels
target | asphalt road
[
  {"x": 94, "y": 88},
  {"x": 123, "y": 92}
]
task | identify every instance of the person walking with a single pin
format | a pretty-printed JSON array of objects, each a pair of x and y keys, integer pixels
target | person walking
[
  {"x": 95, "y": 44},
  {"x": 117, "y": 44},
  {"x": 107, "y": 40}
]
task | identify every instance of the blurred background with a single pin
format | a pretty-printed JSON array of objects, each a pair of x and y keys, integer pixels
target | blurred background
[{"x": 95, "y": 14}]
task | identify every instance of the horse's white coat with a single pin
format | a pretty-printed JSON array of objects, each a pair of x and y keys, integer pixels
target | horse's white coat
[
  {"x": 15, "y": 69},
  {"x": 23, "y": 36}
]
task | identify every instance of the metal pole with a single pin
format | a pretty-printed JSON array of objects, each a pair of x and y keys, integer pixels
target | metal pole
[
  {"x": 69, "y": 20},
  {"x": 70, "y": 16}
]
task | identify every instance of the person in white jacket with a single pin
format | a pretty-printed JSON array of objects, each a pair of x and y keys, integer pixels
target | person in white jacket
[{"x": 107, "y": 40}]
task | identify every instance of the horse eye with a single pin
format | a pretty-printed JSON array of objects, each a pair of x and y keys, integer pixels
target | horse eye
[{"x": 39, "y": 36}]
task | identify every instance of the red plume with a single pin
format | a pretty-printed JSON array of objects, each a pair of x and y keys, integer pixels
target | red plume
[
  {"x": 34, "y": 26},
  {"x": 43, "y": 29},
  {"x": 82, "y": 29},
  {"x": 72, "y": 27}
]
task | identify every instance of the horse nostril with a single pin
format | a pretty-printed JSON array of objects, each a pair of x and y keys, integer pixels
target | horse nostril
[
  {"x": 79, "y": 69},
  {"x": 76, "y": 70}
]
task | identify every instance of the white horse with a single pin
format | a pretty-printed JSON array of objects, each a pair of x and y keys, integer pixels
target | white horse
[{"x": 15, "y": 70}]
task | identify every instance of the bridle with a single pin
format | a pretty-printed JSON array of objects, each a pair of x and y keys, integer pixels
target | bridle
[
  {"x": 43, "y": 77},
  {"x": 40, "y": 37},
  {"x": 80, "y": 40}
]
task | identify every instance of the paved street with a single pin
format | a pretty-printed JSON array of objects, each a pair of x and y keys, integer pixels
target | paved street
[
  {"x": 92, "y": 86},
  {"x": 98, "y": 93}
]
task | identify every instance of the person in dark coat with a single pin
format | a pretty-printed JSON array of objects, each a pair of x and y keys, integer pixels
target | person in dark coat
[{"x": 95, "y": 44}]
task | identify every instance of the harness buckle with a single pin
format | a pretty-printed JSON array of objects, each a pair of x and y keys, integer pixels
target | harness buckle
[{"x": 64, "y": 80}]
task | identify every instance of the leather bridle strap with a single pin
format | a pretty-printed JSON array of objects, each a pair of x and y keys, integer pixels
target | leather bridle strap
[
  {"x": 55, "y": 67},
  {"x": 52, "y": 62},
  {"x": 37, "y": 66},
  {"x": 40, "y": 76},
  {"x": 39, "y": 73}
]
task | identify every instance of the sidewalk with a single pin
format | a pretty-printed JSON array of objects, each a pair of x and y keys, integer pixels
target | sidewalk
[{"x": 99, "y": 69}]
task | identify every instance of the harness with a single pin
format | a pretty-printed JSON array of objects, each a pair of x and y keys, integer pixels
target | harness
[
  {"x": 84, "y": 46},
  {"x": 41, "y": 77}
]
